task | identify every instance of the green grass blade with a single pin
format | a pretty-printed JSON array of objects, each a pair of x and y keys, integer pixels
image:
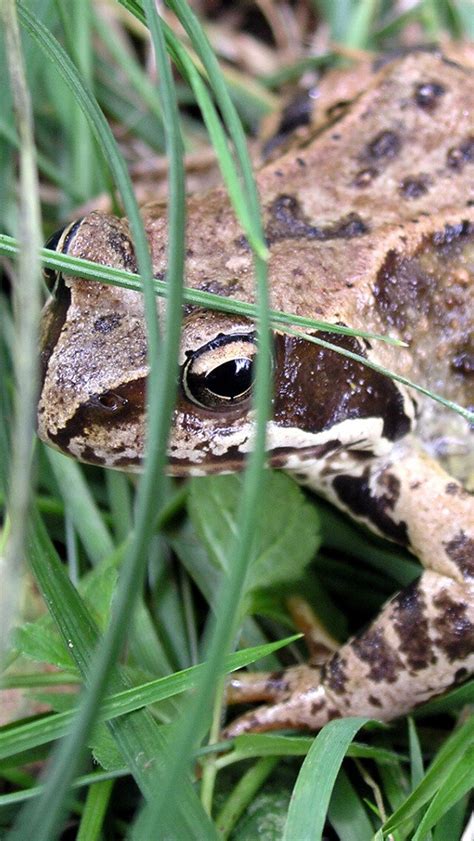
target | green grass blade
[
  {"x": 82, "y": 507},
  {"x": 416, "y": 757},
  {"x": 95, "y": 807},
  {"x": 83, "y": 157},
  {"x": 161, "y": 810},
  {"x": 461, "y": 695},
  {"x": 15, "y": 797},
  {"x": 447, "y": 757},
  {"x": 22, "y": 737},
  {"x": 120, "y": 503},
  {"x": 359, "y": 29},
  {"x": 26, "y": 307},
  {"x": 459, "y": 782},
  {"x": 346, "y": 812},
  {"x": 243, "y": 793},
  {"x": 137, "y": 734},
  {"x": 138, "y": 78},
  {"x": 148, "y": 491},
  {"x": 208, "y": 300},
  {"x": 312, "y": 791}
]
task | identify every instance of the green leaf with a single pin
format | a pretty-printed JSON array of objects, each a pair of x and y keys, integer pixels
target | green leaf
[
  {"x": 104, "y": 749},
  {"x": 40, "y": 641},
  {"x": 313, "y": 788},
  {"x": 287, "y": 537}
]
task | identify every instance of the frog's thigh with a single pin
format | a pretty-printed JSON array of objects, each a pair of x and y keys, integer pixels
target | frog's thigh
[{"x": 421, "y": 643}]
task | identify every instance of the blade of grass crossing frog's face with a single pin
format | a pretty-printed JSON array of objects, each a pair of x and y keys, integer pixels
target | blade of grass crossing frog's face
[{"x": 370, "y": 224}]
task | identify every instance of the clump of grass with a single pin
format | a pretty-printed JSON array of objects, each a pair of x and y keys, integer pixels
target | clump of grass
[{"x": 91, "y": 537}]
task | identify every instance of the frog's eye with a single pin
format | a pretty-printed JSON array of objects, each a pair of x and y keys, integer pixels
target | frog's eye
[
  {"x": 220, "y": 374},
  {"x": 59, "y": 241}
]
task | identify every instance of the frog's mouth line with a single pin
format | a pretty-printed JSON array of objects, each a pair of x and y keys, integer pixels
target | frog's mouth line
[{"x": 280, "y": 457}]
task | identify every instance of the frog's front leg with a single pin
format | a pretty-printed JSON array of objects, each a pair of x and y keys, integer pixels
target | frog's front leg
[{"x": 421, "y": 643}]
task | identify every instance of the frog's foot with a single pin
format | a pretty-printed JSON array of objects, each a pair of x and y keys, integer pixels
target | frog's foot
[
  {"x": 421, "y": 643},
  {"x": 300, "y": 700}
]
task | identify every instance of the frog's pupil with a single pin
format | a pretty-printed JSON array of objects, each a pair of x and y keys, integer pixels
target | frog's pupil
[{"x": 231, "y": 379}]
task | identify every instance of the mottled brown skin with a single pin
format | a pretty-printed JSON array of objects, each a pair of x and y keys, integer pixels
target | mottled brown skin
[{"x": 370, "y": 224}]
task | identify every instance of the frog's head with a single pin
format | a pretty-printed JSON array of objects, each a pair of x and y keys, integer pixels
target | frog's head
[{"x": 94, "y": 364}]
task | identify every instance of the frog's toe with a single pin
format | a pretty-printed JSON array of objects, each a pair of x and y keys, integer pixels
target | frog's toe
[
  {"x": 248, "y": 687},
  {"x": 310, "y": 710}
]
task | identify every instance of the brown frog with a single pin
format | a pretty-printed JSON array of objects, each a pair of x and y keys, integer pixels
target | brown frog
[{"x": 369, "y": 223}]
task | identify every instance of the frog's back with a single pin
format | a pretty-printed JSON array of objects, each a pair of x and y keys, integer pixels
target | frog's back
[{"x": 370, "y": 224}]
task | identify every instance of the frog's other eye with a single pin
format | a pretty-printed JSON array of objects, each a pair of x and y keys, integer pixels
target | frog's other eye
[
  {"x": 220, "y": 374},
  {"x": 59, "y": 241}
]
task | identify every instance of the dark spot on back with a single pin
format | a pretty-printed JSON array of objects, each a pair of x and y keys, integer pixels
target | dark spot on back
[
  {"x": 230, "y": 287},
  {"x": 385, "y": 145},
  {"x": 407, "y": 288},
  {"x": 372, "y": 648},
  {"x": 412, "y": 187},
  {"x": 461, "y": 550},
  {"x": 456, "y": 631},
  {"x": 463, "y": 361},
  {"x": 356, "y": 494},
  {"x": 287, "y": 221},
  {"x": 106, "y": 323},
  {"x": 427, "y": 95},
  {"x": 460, "y": 155},
  {"x": 334, "y": 675},
  {"x": 453, "y": 489},
  {"x": 374, "y": 701},
  {"x": 412, "y": 628},
  {"x": 120, "y": 243},
  {"x": 242, "y": 242},
  {"x": 296, "y": 113}
]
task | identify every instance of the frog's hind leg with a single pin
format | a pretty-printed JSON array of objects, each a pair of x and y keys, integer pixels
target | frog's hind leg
[{"x": 421, "y": 643}]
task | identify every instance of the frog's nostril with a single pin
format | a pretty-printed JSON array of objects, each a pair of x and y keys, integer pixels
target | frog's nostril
[{"x": 109, "y": 402}]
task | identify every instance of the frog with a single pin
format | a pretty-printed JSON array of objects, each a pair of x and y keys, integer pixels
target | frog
[{"x": 369, "y": 224}]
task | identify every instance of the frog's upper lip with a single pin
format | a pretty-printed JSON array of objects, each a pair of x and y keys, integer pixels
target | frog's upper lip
[{"x": 235, "y": 461}]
